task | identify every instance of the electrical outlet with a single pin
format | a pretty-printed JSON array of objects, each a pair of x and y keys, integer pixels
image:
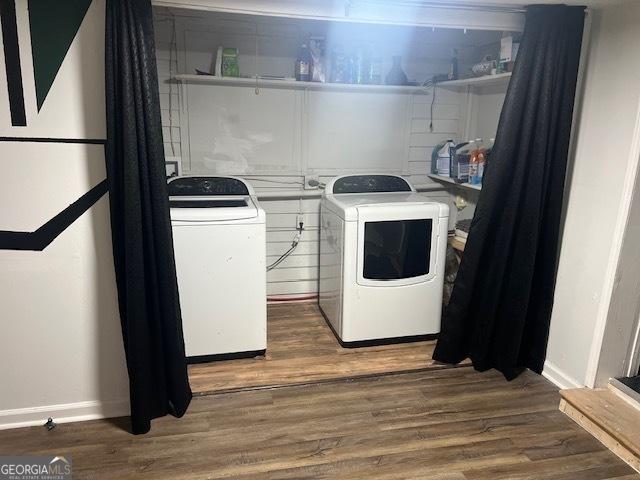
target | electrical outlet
[
  {"x": 311, "y": 178},
  {"x": 299, "y": 220}
]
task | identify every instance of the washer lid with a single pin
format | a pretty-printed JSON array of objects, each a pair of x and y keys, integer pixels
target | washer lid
[{"x": 212, "y": 208}]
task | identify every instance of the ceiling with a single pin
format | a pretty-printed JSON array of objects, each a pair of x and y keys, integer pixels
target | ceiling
[{"x": 522, "y": 3}]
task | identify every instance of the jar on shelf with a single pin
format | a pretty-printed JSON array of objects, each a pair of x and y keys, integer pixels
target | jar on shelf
[{"x": 396, "y": 75}]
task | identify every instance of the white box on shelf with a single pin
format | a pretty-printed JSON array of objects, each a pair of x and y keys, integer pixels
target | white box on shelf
[{"x": 508, "y": 49}]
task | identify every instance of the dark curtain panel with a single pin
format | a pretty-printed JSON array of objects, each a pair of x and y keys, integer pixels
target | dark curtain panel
[
  {"x": 140, "y": 222},
  {"x": 501, "y": 303}
]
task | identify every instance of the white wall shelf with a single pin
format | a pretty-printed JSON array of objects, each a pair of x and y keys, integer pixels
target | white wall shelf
[
  {"x": 295, "y": 85},
  {"x": 485, "y": 81},
  {"x": 450, "y": 181}
]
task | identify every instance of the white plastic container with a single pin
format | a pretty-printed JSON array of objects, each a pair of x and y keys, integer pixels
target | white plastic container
[{"x": 443, "y": 161}]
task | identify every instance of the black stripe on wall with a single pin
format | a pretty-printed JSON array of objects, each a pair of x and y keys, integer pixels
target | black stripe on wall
[
  {"x": 12, "y": 62},
  {"x": 47, "y": 233},
  {"x": 88, "y": 141}
]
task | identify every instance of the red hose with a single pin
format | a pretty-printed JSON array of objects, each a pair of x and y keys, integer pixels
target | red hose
[{"x": 292, "y": 299}]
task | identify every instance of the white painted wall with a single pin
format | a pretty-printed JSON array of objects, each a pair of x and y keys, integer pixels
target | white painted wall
[
  {"x": 61, "y": 353},
  {"x": 620, "y": 337},
  {"x": 277, "y": 136},
  {"x": 595, "y": 217}
]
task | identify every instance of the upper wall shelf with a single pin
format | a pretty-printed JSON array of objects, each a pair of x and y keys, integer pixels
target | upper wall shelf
[
  {"x": 295, "y": 85},
  {"x": 487, "y": 80},
  {"x": 450, "y": 181}
]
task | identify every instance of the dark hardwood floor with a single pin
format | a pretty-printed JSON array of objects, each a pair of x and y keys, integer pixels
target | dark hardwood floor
[
  {"x": 449, "y": 424},
  {"x": 301, "y": 348}
]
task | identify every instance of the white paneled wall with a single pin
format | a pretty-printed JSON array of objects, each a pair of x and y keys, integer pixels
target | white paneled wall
[{"x": 315, "y": 128}]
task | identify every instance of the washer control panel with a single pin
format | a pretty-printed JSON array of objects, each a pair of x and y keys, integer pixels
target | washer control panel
[
  {"x": 209, "y": 186},
  {"x": 370, "y": 184}
]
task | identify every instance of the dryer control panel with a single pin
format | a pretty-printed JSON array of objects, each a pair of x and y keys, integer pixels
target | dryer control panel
[
  {"x": 370, "y": 184},
  {"x": 209, "y": 186}
]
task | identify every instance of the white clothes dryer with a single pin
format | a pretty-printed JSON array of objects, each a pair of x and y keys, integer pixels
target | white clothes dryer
[{"x": 382, "y": 256}]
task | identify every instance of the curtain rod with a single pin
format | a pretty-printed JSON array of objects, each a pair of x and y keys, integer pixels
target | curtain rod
[{"x": 434, "y": 4}]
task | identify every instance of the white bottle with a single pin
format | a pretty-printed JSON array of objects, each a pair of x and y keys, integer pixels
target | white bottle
[{"x": 444, "y": 158}]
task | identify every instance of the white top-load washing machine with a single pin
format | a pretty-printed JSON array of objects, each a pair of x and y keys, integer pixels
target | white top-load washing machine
[
  {"x": 382, "y": 255},
  {"x": 219, "y": 239}
]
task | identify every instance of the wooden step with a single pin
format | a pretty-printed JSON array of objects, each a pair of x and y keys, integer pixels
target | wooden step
[{"x": 608, "y": 417}]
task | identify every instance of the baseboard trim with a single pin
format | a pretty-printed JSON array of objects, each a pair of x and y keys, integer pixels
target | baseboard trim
[
  {"x": 62, "y": 413},
  {"x": 624, "y": 392},
  {"x": 559, "y": 378},
  {"x": 219, "y": 357}
]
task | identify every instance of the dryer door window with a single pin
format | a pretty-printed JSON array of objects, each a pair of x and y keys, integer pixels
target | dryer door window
[
  {"x": 397, "y": 244},
  {"x": 397, "y": 249}
]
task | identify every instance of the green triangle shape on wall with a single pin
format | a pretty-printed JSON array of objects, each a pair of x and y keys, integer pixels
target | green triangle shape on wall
[{"x": 53, "y": 26}]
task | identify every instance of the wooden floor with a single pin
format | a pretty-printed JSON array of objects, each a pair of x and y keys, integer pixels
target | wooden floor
[
  {"x": 451, "y": 424},
  {"x": 301, "y": 349}
]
